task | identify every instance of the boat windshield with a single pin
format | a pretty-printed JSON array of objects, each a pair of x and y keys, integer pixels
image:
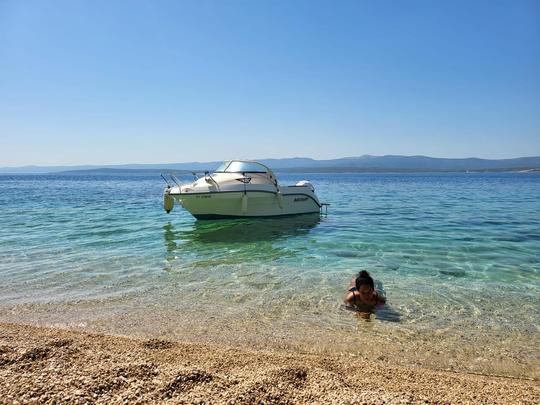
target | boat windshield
[{"x": 241, "y": 167}]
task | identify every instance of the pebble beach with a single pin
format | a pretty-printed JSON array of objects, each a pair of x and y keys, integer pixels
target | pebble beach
[{"x": 50, "y": 365}]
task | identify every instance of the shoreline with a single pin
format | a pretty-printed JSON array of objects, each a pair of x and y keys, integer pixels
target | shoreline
[
  {"x": 51, "y": 364},
  {"x": 449, "y": 349}
]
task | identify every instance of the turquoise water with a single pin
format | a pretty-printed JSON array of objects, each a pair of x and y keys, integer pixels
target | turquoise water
[{"x": 457, "y": 254}]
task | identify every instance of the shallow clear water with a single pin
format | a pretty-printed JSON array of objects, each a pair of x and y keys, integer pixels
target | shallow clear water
[{"x": 458, "y": 256}]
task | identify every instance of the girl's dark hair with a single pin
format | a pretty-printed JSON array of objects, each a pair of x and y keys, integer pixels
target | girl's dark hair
[{"x": 364, "y": 278}]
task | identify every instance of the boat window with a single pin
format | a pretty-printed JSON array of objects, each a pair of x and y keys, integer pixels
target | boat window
[
  {"x": 222, "y": 167},
  {"x": 240, "y": 167}
]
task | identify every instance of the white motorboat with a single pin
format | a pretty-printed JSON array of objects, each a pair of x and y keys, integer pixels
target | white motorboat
[{"x": 239, "y": 189}]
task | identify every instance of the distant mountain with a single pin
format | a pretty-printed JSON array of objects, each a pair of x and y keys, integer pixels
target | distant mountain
[
  {"x": 420, "y": 163},
  {"x": 111, "y": 168},
  {"x": 364, "y": 163}
]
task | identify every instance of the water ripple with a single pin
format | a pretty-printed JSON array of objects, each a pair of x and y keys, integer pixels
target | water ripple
[{"x": 453, "y": 252}]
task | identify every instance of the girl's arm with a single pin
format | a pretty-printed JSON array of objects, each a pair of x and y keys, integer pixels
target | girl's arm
[
  {"x": 349, "y": 299},
  {"x": 380, "y": 299}
]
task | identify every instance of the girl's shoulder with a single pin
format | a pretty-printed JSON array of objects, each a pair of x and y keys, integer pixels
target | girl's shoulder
[{"x": 379, "y": 298}]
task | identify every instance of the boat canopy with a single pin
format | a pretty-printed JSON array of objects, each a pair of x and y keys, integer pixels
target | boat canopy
[{"x": 239, "y": 166}]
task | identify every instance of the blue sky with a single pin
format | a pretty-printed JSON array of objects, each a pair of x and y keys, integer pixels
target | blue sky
[{"x": 111, "y": 82}]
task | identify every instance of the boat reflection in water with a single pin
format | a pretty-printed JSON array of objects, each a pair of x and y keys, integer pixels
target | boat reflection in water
[{"x": 215, "y": 237}]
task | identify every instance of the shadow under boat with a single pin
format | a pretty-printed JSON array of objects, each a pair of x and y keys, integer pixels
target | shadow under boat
[{"x": 242, "y": 230}]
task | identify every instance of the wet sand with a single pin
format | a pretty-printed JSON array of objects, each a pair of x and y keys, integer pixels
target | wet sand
[{"x": 45, "y": 365}]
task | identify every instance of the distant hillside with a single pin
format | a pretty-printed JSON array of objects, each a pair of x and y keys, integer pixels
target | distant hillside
[
  {"x": 130, "y": 167},
  {"x": 364, "y": 163},
  {"x": 419, "y": 163}
]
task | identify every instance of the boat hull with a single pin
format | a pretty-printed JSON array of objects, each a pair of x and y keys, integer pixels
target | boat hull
[{"x": 239, "y": 204}]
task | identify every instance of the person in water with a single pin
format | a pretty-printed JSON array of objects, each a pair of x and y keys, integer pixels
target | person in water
[{"x": 362, "y": 296}]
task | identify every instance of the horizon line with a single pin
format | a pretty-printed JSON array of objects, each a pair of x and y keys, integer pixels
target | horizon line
[{"x": 259, "y": 159}]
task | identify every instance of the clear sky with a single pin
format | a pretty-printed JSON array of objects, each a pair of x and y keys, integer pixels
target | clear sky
[{"x": 112, "y": 82}]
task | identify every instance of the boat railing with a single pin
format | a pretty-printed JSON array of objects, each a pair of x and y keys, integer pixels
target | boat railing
[
  {"x": 173, "y": 173},
  {"x": 324, "y": 209}
]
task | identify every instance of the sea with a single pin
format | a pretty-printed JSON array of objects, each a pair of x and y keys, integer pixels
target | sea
[{"x": 456, "y": 254}]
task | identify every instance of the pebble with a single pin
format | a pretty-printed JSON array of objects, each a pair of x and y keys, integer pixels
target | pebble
[{"x": 237, "y": 376}]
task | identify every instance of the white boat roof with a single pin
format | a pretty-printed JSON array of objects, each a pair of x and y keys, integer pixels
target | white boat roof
[{"x": 242, "y": 166}]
